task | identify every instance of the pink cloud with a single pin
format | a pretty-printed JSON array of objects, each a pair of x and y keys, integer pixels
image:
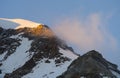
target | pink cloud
[{"x": 87, "y": 34}]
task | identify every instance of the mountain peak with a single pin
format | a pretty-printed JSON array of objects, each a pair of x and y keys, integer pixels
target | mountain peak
[
  {"x": 25, "y": 48},
  {"x": 93, "y": 53}
]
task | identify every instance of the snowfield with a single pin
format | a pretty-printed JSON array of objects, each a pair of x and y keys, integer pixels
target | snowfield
[{"x": 17, "y": 23}]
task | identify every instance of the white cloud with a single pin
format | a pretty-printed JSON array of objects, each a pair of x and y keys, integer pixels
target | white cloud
[{"x": 88, "y": 34}]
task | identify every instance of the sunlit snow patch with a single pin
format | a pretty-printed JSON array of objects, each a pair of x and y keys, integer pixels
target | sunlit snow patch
[{"x": 17, "y": 23}]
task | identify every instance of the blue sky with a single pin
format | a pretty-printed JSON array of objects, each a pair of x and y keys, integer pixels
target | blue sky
[{"x": 52, "y": 12}]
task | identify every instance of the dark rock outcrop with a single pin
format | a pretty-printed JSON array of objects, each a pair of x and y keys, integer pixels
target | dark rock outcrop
[{"x": 90, "y": 65}]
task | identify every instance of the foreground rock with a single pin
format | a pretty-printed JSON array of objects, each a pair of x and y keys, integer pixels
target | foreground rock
[{"x": 91, "y": 65}]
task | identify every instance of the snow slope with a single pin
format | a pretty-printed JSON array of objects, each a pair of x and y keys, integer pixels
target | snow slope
[
  {"x": 42, "y": 69},
  {"x": 18, "y": 58},
  {"x": 50, "y": 70},
  {"x": 17, "y": 23}
]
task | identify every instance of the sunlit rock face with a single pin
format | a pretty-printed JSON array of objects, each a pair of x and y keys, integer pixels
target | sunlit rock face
[
  {"x": 91, "y": 65},
  {"x": 39, "y": 31}
]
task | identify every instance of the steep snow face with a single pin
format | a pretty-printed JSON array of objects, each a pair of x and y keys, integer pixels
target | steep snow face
[
  {"x": 50, "y": 70},
  {"x": 16, "y": 59},
  {"x": 17, "y": 23}
]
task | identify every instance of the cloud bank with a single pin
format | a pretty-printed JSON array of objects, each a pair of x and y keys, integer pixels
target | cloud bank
[{"x": 87, "y": 34}]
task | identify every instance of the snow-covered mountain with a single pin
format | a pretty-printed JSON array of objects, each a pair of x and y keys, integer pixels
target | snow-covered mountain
[{"x": 32, "y": 50}]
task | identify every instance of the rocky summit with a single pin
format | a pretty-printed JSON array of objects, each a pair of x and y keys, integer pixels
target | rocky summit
[{"x": 32, "y": 50}]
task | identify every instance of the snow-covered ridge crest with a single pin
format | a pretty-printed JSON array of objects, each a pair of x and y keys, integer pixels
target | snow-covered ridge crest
[{"x": 17, "y": 23}]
